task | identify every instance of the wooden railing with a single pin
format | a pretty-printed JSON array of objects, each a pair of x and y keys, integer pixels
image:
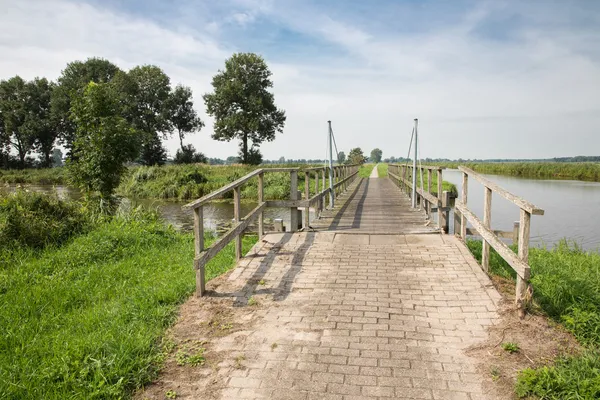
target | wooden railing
[
  {"x": 519, "y": 262},
  {"x": 343, "y": 175},
  {"x": 426, "y": 199}
]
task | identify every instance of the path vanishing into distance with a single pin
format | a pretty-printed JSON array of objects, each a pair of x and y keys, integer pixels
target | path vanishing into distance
[{"x": 361, "y": 308}]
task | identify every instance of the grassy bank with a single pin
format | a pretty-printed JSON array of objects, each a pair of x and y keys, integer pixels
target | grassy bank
[
  {"x": 47, "y": 176},
  {"x": 85, "y": 318},
  {"x": 364, "y": 171},
  {"x": 587, "y": 171},
  {"x": 566, "y": 283},
  {"x": 382, "y": 170}
]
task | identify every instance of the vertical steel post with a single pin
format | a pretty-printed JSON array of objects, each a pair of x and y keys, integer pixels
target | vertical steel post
[
  {"x": 414, "y": 175},
  {"x": 331, "y": 194}
]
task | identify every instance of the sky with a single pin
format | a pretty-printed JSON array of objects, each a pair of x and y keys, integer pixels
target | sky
[{"x": 486, "y": 79}]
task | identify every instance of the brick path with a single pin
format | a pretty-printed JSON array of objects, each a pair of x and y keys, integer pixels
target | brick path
[{"x": 359, "y": 317}]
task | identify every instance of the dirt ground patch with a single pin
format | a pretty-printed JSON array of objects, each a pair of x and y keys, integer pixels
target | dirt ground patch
[
  {"x": 515, "y": 344},
  {"x": 201, "y": 347}
]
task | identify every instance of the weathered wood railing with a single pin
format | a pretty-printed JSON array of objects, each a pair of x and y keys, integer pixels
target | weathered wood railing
[
  {"x": 439, "y": 202},
  {"x": 519, "y": 262},
  {"x": 343, "y": 175}
]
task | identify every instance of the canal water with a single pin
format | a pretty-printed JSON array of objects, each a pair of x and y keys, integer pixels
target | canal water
[
  {"x": 218, "y": 215},
  {"x": 570, "y": 207}
]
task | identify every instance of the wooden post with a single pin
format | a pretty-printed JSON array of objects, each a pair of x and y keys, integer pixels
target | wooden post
[
  {"x": 307, "y": 196},
  {"x": 457, "y": 221},
  {"x": 439, "y": 185},
  {"x": 522, "y": 282},
  {"x": 198, "y": 249},
  {"x": 487, "y": 220},
  {"x": 463, "y": 219},
  {"x": 318, "y": 205},
  {"x": 444, "y": 216},
  {"x": 261, "y": 198},
  {"x": 293, "y": 196},
  {"x": 324, "y": 200},
  {"x": 236, "y": 217},
  {"x": 428, "y": 190},
  {"x": 515, "y": 235}
]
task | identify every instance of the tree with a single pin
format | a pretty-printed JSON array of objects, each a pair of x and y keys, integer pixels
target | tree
[
  {"x": 232, "y": 160},
  {"x": 189, "y": 155},
  {"x": 281, "y": 160},
  {"x": 72, "y": 82},
  {"x": 376, "y": 155},
  {"x": 243, "y": 107},
  {"x": 150, "y": 114},
  {"x": 39, "y": 123},
  {"x": 104, "y": 141},
  {"x": 341, "y": 157},
  {"x": 181, "y": 113},
  {"x": 14, "y": 109},
  {"x": 356, "y": 156},
  {"x": 253, "y": 156}
]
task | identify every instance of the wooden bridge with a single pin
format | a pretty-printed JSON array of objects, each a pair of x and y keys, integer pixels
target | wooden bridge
[{"x": 365, "y": 297}]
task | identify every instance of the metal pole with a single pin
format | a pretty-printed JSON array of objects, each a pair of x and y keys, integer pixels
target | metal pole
[
  {"x": 331, "y": 195},
  {"x": 414, "y": 171}
]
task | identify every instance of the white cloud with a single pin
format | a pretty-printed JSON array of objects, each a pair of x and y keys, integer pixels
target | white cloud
[{"x": 475, "y": 97}]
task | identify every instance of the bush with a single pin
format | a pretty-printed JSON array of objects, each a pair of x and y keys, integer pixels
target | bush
[
  {"x": 36, "y": 220},
  {"x": 189, "y": 155}
]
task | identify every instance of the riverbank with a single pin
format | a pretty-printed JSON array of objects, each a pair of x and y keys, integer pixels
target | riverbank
[
  {"x": 585, "y": 171},
  {"x": 566, "y": 288},
  {"x": 85, "y": 309}
]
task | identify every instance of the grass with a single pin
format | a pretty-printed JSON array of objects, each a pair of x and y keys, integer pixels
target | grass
[
  {"x": 566, "y": 283},
  {"x": 382, "y": 170},
  {"x": 86, "y": 319},
  {"x": 584, "y": 171},
  {"x": 47, "y": 176},
  {"x": 365, "y": 170}
]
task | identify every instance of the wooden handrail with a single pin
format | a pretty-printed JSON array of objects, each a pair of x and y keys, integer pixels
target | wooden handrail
[
  {"x": 520, "y": 202},
  {"x": 519, "y": 262},
  {"x": 219, "y": 192},
  {"x": 432, "y": 167},
  {"x": 343, "y": 175}
]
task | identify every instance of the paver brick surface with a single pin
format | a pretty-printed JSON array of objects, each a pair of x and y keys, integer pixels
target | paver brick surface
[{"x": 360, "y": 319}]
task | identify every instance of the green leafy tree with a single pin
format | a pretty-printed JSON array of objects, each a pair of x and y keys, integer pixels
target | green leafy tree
[
  {"x": 39, "y": 123},
  {"x": 72, "y": 82},
  {"x": 104, "y": 141},
  {"x": 242, "y": 105},
  {"x": 356, "y": 156},
  {"x": 150, "y": 114},
  {"x": 57, "y": 158},
  {"x": 14, "y": 108},
  {"x": 181, "y": 113},
  {"x": 376, "y": 155},
  {"x": 341, "y": 157},
  {"x": 189, "y": 155}
]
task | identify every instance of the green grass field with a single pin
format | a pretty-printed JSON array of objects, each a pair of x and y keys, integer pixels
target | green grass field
[
  {"x": 86, "y": 319},
  {"x": 382, "y": 170},
  {"x": 365, "y": 170},
  {"x": 566, "y": 283}
]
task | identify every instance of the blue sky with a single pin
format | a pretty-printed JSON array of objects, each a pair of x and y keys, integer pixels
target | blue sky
[{"x": 487, "y": 79}]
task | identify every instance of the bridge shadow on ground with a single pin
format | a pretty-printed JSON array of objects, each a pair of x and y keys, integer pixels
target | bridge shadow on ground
[{"x": 336, "y": 224}]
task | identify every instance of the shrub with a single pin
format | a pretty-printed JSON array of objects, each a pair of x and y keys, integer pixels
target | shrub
[{"x": 36, "y": 220}]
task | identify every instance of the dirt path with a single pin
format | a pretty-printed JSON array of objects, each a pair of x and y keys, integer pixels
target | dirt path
[{"x": 375, "y": 172}]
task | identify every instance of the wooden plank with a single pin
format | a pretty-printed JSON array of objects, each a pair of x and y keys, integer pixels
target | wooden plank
[
  {"x": 306, "y": 196},
  {"x": 520, "y": 202},
  {"x": 222, "y": 191},
  {"x": 236, "y": 217},
  {"x": 277, "y": 169},
  {"x": 515, "y": 233},
  {"x": 487, "y": 219},
  {"x": 440, "y": 187},
  {"x": 287, "y": 203},
  {"x": 521, "y": 267},
  {"x": 293, "y": 196},
  {"x": 345, "y": 180},
  {"x": 522, "y": 281},
  {"x": 198, "y": 249},
  {"x": 261, "y": 199},
  {"x": 500, "y": 234},
  {"x": 234, "y": 232},
  {"x": 434, "y": 167}
]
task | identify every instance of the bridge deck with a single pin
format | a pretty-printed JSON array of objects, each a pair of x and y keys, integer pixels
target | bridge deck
[
  {"x": 327, "y": 315},
  {"x": 374, "y": 205}
]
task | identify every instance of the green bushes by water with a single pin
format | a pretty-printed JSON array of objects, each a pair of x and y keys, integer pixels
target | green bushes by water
[
  {"x": 585, "y": 171},
  {"x": 85, "y": 316},
  {"x": 566, "y": 283}
]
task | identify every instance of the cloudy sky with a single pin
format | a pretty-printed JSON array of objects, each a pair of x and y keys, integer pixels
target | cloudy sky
[{"x": 487, "y": 79}]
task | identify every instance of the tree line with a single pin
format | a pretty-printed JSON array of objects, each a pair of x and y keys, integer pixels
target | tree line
[{"x": 37, "y": 115}]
